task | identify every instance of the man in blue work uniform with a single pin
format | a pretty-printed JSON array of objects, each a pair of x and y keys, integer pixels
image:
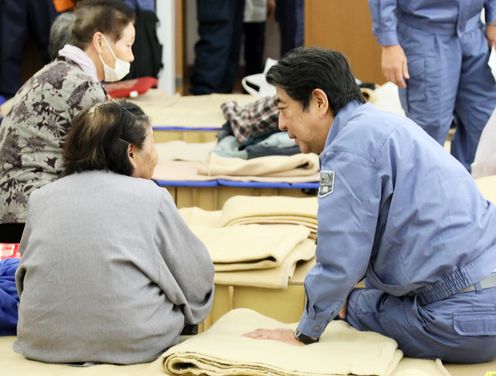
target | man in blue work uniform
[
  {"x": 436, "y": 52},
  {"x": 394, "y": 208}
]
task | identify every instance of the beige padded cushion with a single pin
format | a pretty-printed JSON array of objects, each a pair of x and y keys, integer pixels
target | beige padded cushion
[
  {"x": 342, "y": 350},
  {"x": 250, "y": 246}
]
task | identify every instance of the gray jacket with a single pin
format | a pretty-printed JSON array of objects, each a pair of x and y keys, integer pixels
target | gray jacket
[{"x": 110, "y": 272}]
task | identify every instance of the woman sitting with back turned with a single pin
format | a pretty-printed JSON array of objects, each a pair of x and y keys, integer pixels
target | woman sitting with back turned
[
  {"x": 110, "y": 273},
  {"x": 33, "y": 131}
]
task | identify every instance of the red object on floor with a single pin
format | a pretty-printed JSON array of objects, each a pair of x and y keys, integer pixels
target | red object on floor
[
  {"x": 131, "y": 88},
  {"x": 9, "y": 250}
]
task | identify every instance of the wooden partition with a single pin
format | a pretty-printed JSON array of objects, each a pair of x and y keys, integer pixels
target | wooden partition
[{"x": 345, "y": 26}]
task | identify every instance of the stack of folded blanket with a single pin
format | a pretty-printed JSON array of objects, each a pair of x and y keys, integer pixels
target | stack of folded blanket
[
  {"x": 342, "y": 350},
  {"x": 257, "y": 241},
  {"x": 180, "y": 161},
  {"x": 271, "y": 166}
]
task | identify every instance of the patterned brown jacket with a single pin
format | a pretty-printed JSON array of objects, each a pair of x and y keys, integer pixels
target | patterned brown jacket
[{"x": 33, "y": 132}]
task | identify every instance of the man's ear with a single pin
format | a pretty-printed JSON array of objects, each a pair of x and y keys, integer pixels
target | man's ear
[
  {"x": 321, "y": 101},
  {"x": 131, "y": 154}
]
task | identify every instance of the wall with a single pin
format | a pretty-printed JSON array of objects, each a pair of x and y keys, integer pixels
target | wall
[{"x": 345, "y": 26}]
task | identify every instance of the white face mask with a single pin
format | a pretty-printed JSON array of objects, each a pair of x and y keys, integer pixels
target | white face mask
[{"x": 121, "y": 67}]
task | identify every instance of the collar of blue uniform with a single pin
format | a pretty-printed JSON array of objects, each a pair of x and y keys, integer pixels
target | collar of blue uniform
[{"x": 341, "y": 120}]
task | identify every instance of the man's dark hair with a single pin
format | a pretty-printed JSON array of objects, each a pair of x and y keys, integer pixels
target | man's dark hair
[
  {"x": 100, "y": 135},
  {"x": 306, "y": 69},
  {"x": 109, "y": 17}
]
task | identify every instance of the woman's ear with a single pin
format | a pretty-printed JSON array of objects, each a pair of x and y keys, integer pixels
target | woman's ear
[
  {"x": 321, "y": 101},
  {"x": 97, "y": 42}
]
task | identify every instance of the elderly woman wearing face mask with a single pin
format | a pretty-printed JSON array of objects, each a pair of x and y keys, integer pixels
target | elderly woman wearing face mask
[
  {"x": 110, "y": 273},
  {"x": 33, "y": 132}
]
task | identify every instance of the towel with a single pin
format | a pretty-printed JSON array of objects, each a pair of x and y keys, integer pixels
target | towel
[
  {"x": 250, "y": 246},
  {"x": 222, "y": 350},
  {"x": 271, "y": 166},
  {"x": 275, "y": 278}
]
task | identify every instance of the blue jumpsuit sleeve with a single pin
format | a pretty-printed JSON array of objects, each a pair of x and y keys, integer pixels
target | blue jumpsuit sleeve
[
  {"x": 384, "y": 21},
  {"x": 347, "y": 220},
  {"x": 490, "y": 11}
]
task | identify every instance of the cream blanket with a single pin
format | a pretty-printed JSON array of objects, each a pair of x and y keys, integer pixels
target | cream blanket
[
  {"x": 342, "y": 350},
  {"x": 200, "y": 217},
  {"x": 271, "y": 166},
  {"x": 188, "y": 171},
  {"x": 271, "y": 209},
  {"x": 250, "y": 246},
  {"x": 274, "y": 278},
  {"x": 241, "y": 210}
]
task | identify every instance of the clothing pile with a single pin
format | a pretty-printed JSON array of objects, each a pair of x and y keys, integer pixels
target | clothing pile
[
  {"x": 251, "y": 131},
  {"x": 257, "y": 241},
  {"x": 342, "y": 350}
]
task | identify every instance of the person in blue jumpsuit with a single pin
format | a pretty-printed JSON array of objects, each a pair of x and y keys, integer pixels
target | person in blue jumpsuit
[
  {"x": 394, "y": 208},
  {"x": 437, "y": 51}
]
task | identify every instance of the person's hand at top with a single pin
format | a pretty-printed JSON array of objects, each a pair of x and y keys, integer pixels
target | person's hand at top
[
  {"x": 271, "y": 8},
  {"x": 491, "y": 35},
  {"x": 394, "y": 65}
]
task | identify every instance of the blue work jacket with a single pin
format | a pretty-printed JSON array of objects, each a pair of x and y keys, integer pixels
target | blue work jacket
[
  {"x": 396, "y": 208},
  {"x": 425, "y": 14}
]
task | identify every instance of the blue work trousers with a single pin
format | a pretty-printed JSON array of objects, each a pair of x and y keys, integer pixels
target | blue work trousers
[
  {"x": 458, "y": 329},
  {"x": 449, "y": 78}
]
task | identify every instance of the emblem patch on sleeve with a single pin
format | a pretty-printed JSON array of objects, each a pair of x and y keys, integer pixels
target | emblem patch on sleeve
[{"x": 326, "y": 186}]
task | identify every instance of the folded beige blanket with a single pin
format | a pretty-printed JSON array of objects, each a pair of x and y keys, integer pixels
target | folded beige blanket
[
  {"x": 200, "y": 217},
  {"x": 222, "y": 350},
  {"x": 199, "y": 111},
  {"x": 188, "y": 171},
  {"x": 274, "y": 278},
  {"x": 239, "y": 208},
  {"x": 271, "y": 166},
  {"x": 487, "y": 186},
  {"x": 250, "y": 246},
  {"x": 184, "y": 151}
]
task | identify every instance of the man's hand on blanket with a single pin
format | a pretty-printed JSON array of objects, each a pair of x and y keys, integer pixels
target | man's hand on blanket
[{"x": 282, "y": 335}]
